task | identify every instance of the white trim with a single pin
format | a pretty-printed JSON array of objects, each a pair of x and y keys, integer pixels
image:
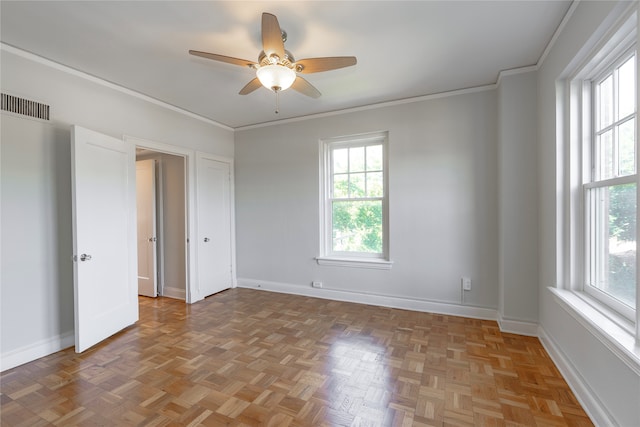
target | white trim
[
  {"x": 190, "y": 193},
  {"x": 94, "y": 79},
  {"x": 518, "y": 327},
  {"x": 34, "y": 351},
  {"x": 344, "y": 258},
  {"x": 372, "y": 299},
  {"x": 515, "y": 71},
  {"x": 375, "y": 263},
  {"x": 371, "y": 106},
  {"x": 602, "y": 52},
  {"x": 591, "y": 404},
  {"x": 618, "y": 339},
  {"x": 557, "y": 32}
]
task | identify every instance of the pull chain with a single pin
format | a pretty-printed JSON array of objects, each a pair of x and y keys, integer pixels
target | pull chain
[{"x": 277, "y": 101}]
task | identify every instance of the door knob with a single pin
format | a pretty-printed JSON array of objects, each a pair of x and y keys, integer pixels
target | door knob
[
  {"x": 85, "y": 257},
  {"x": 206, "y": 239},
  {"x": 152, "y": 239}
]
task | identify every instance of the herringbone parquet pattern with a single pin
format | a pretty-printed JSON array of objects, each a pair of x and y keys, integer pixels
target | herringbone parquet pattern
[{"x": 248, "y": 358}]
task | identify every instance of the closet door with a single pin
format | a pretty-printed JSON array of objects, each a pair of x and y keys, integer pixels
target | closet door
[
  {"x": 214, "y": 226},
  {"x": 103, "y": 178},
  {"x": 147, "y": 240}
]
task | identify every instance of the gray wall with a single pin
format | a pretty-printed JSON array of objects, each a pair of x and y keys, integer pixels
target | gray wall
[
  {"x": 442, "y": 191},
  {"x": 36, "y": 288},
  {"x": 174, "y": 225},
  {"x": 612, "y": 386},
  {"x": 517, "y": 197}
]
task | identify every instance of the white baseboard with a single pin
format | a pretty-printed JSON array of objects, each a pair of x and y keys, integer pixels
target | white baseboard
[
  {"x": 170, "y": 292},
  {"x": 34, "y": 351},
  {"x": 589, "y": 401},
  {"x": 372, "y": 299},
  {"x": 519, "y": 327}
]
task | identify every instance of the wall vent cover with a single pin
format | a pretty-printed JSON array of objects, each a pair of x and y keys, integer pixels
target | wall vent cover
[{"x": 25, "y": 107}]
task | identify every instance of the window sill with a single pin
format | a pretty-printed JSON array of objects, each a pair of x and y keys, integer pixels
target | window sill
[
  {"x": 615, "y": 332},
  {"x": 374, "y": 263}
]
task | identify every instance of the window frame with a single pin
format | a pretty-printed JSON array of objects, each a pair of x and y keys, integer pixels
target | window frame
[
  {"x": 593, "y": 180},
  {"x": 615, "y": 50},
  {"x": 351, "y": 258}
]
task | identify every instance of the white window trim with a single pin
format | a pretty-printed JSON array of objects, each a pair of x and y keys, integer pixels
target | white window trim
[
  {"x": 610, "y": 326},
  {"x": 596, "y": 69},
  {"x": 328, "y": 257}
]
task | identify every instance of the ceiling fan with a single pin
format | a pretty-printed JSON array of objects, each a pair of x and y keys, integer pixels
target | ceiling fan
[{"x": 276, "y": 68}]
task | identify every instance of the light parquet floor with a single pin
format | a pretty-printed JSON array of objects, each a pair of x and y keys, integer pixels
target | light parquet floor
[{"x": 249, "y": 358}]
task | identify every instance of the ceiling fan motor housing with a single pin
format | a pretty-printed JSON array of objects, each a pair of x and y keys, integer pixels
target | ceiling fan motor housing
[{"x": 287, "y": 61}]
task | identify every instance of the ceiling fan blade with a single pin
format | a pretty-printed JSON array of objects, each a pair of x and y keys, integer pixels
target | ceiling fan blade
[
  {"x": 305, "y": 88},
  {"x": 315, "y": 65},
  {"x": 272, "y": 36},
  {"x": 222, "y": 58},
  {"x": 251, "y": 86}
]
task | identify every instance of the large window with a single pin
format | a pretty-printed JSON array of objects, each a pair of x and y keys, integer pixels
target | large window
[
  {"x": 354, "y": 199},
  {"x": 603, "y": 147},
  {"x": 610, "y": 193}
]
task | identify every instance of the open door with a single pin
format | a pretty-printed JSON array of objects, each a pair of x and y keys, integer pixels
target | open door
[
  {"x": 146, "y": 215},
  {"x": 104, "y": 236}
]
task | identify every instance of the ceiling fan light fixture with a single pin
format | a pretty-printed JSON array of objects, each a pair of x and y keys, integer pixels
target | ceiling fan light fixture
[{"x": 276, "y": 77}]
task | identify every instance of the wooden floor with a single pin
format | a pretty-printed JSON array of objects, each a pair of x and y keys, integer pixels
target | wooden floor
[{"x": 245, "y": 357}]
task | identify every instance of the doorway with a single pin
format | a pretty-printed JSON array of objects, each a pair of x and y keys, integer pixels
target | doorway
[
  {"x": 105, "y": 233},
  {"x": 162, "y": 224}
]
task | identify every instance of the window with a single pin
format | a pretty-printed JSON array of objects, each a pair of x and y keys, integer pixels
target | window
[
  {"x": 603, "y": 175},
  {"x": 610, "y": 191},
  {"x": 354, "y": 196}
]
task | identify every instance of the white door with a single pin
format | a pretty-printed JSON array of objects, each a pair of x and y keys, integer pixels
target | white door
[
  {"x": 104, "y": 236},
  {"x": 214, "y": 226},
  {"x": 146, "y": 207}
]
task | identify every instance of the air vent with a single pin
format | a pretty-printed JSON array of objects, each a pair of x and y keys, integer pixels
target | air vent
[{"x": 22, "y": 106}]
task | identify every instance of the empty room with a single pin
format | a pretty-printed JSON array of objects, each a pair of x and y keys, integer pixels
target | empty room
[{"x": 319, "y": 213}]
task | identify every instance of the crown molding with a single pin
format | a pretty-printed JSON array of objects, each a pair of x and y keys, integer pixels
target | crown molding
[{"x": 102, "y": 82}]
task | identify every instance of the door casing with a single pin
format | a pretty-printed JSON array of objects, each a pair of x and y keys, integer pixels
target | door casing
[{"x": 192, "y": 293}]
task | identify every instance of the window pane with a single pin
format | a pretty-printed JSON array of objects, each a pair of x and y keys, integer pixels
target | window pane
[
  {"x": 341, "y": 186},
  {"x": 356, "y": 159},
  {"x": 341, "y": 160},
  {"x": 605, "y": 155},
  {"x": 605, "y": 90},
  {"x": 357, "y": 226},
  {"x": 374, "y": 184},
  {"x": 626, "y": 88},
  {"x": 374, "y": 157},
  {"x": 356, "y": 186},
  {"x": 612, "y": 241},
  {"x": 626, "y": 148}
]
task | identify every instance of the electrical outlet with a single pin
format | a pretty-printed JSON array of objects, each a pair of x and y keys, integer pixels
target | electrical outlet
[
  {"x": 316, "y": 285},
  {"x": 466, "y": 284}
]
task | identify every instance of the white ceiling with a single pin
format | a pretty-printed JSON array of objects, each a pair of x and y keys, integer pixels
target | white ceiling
[{"x": 404, "y": 49}]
